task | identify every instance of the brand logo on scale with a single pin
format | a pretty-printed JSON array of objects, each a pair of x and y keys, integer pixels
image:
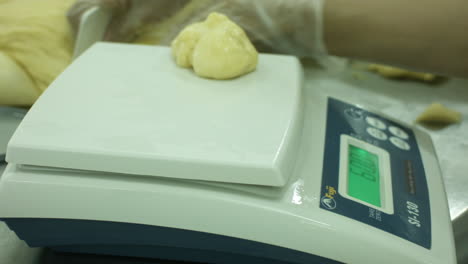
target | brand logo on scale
[
  {"x": 330, "y": 204},
  {"x": 328, "y": 201}
]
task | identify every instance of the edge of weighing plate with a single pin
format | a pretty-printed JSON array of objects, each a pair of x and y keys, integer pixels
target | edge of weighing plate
[
  {"x": 14, "y": 116},
  {"x": 269, "y": 167}
]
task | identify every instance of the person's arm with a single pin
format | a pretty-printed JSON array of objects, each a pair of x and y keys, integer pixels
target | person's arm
[{"x": 424, "y": 35}]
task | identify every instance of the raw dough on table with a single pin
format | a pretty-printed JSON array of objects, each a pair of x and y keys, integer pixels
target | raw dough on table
[
  {"x": 216, "y": 48},
  {"x": 437, "y": 113},
  {"x": 16, "y": 87},
  {"x": 397, "y": 73},
  {"x": 36, "y": 45},
  {"x": 34, "y": 37}
]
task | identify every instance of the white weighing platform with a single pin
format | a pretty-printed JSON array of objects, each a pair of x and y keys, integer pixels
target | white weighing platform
[{"x": 127, "y": 154}]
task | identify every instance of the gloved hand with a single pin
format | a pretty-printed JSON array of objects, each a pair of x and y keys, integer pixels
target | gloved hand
[
  {"x": 127, "y": 15},
  {"x": 286, "y": 26}
]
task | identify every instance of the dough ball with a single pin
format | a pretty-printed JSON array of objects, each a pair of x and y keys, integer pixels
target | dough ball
[
  {"x": 397, "y": 73},
  {"x": 184, "y": 46},
  {"x": 439, "y": 114},
  {"x": 216, "y": 48}
]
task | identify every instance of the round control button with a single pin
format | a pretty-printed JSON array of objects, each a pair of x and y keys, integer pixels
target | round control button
[
  {"x": 400, "y": 143},
  {"x": 398, "y": 132},
  {"x": 354, "y": 113},
  {"x": 376, "y": 123},
  {"x": 376, "y": 133}
]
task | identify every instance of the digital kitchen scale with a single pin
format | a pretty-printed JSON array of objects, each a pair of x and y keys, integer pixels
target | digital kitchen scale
[{"x": 127, "y": 154}]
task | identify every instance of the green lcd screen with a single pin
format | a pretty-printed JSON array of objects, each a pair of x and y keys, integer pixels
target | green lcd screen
[{"x": 363, "y": 175}]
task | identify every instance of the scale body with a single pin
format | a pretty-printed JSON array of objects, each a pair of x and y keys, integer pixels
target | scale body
[{"x": 126, "y": 154}]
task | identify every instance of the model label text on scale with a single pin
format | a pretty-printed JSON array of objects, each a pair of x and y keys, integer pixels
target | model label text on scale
[{"x": 413, "y": 211}]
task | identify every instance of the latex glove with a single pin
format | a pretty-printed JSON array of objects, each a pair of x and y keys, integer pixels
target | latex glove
[
  {"x": 286, "y": 26},
  {"x": 127, "y": 15}
]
